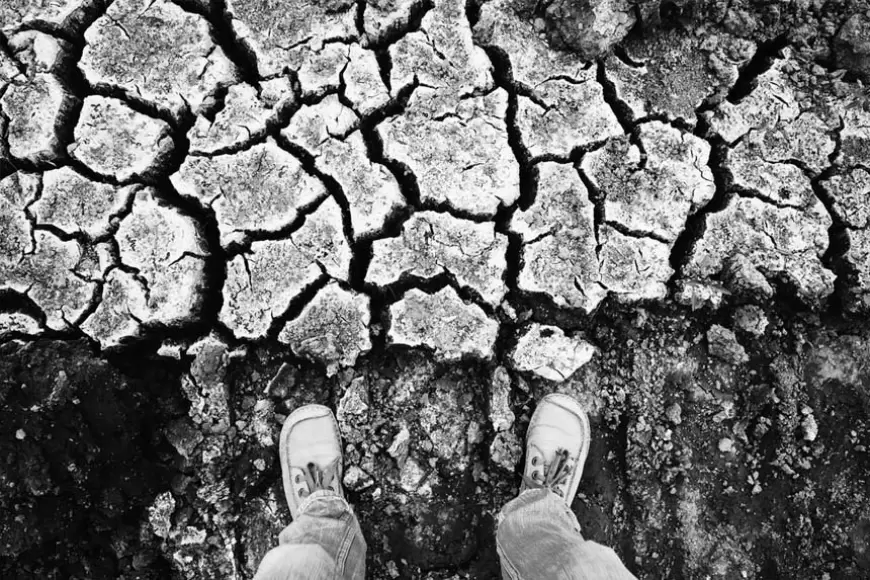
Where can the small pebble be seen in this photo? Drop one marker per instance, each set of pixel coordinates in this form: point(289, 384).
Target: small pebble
point(726, 445)
point(20, 434)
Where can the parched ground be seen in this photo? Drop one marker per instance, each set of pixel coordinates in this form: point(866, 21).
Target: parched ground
point(427, 214)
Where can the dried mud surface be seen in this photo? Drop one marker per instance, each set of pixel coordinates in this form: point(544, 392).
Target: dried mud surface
point(427, 214)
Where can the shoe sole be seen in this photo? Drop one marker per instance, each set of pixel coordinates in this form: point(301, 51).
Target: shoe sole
point(572, 405)
point(301, 414)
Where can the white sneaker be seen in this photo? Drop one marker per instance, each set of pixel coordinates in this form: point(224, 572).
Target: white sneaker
point(310, 452)
point(557, 444)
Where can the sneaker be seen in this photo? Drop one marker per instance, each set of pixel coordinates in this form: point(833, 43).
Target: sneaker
point(310, 453)
point(557, 443)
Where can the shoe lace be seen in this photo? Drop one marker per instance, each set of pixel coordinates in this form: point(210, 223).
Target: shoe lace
point(552, 475)
point(317, 478)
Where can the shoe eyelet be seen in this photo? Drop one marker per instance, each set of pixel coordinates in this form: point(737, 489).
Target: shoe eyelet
point(297, 479)
point(535, 460)
point(535, 474)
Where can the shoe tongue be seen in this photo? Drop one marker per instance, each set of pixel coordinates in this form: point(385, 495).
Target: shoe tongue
point(548, 439)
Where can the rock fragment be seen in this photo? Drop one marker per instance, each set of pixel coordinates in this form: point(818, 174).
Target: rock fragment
point(352, 412)
point(751, 319)
point(449, 420)
point(74, 203)
point(154, 50)
point(356, 479)
point(114, 140)
point(506, 450)
point(559, 240)
point(206, 387)
point(327, 131)
point(461, 157)
point(332, 329)
point(656, 194)
point(256, 292)
point(500, 415)
point(258, 189)
point(443, 323)
point(35, 108)
point(434, 243)
point(547, 352)
point(723, 344)
point(160, 514)
point(398, 449)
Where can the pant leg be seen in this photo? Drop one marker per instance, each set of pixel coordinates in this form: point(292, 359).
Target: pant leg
point(324, 542)
point(538, 538)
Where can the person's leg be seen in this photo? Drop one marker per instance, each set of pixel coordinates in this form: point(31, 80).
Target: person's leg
point(538, 536)
point(324, 542)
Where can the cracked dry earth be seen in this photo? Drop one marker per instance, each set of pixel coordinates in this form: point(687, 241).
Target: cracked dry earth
point(427, 214)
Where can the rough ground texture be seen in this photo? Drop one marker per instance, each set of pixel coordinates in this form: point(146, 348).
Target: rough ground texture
point(427, 214)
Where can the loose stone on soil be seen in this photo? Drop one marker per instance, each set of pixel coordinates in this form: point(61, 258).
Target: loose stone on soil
point(443, 323)
point(500, 415)
point(548, 353)
point(352, 412)
point(723, 345)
